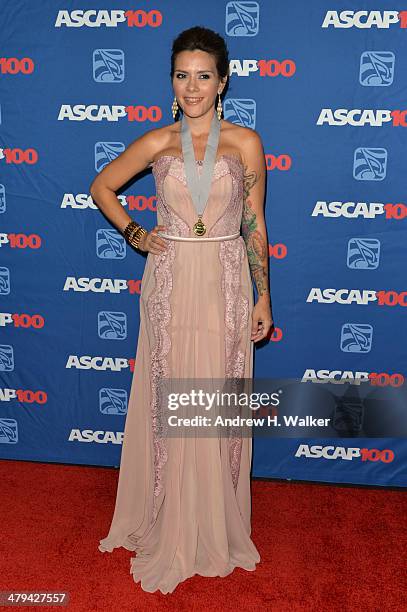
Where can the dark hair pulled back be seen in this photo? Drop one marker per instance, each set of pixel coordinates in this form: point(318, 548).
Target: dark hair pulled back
point(203, 39)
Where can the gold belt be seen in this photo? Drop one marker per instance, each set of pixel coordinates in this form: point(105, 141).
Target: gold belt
point(186, 238)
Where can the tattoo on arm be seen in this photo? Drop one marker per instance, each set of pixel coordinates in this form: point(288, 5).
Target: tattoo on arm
point(255, 244)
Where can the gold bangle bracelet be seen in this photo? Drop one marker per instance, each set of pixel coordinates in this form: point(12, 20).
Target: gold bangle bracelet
point(133, 233)
point(135, 238)
point(130, 229)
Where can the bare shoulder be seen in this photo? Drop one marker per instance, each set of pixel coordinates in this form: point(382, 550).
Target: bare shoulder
point(246, 140)
point(155, 140)
point(163, 134)
point(162, 140)
point(251, 142)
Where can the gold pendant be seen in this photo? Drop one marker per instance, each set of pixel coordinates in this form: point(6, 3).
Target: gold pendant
point(199, 227)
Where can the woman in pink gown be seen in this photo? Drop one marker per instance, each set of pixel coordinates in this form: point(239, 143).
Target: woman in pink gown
point(183, 503)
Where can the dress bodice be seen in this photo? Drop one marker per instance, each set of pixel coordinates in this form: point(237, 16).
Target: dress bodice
point(175, 208)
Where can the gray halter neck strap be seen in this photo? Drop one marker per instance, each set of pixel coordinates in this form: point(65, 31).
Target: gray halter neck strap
point(199, 188)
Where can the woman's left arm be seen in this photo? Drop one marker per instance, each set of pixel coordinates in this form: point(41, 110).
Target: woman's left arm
point(254, 231)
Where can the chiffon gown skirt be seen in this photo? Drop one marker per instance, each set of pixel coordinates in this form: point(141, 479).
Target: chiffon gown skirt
point(183, 503)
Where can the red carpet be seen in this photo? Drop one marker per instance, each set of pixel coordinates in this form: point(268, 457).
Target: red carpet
point(323, 548)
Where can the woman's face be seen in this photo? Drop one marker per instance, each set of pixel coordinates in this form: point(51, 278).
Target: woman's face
point(196, 82)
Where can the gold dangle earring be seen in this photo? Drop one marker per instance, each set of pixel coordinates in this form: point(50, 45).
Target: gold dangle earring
point(174, 108)
point(219, 108)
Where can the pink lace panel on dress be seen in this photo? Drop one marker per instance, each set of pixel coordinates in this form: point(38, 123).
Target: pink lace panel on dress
point(230, 221)
point(231, 254)
point(159, 312)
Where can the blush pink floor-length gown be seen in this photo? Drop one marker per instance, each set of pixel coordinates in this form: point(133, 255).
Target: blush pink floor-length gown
point(184, 504)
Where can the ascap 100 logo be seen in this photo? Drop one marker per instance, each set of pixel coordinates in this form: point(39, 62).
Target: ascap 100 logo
point(100, 364)
point(91, 18)
point(21, 319)
point(85, 284)
point(365, 19)
point(23, 396)
point(83, 201)
point(334, 453)
point(354, 210)
point(99, 436)
point(360, 297)
point(361, 117)
point(345, 377)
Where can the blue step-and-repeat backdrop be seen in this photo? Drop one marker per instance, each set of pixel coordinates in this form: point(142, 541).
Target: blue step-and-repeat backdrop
point(324, 84)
